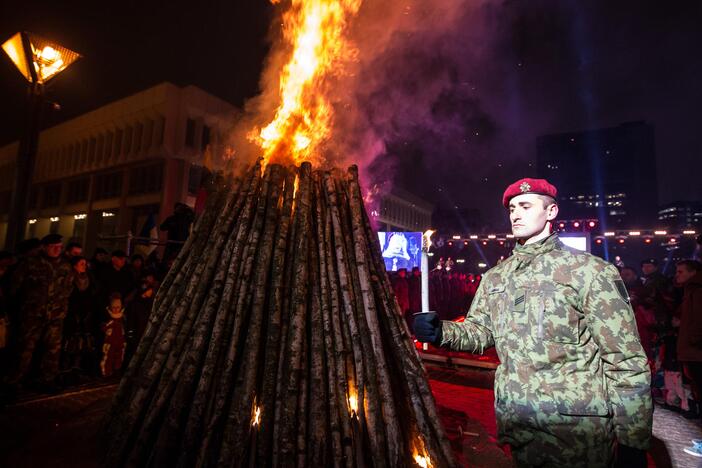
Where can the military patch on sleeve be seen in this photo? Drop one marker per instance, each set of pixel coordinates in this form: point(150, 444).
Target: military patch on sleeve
point(621, 289)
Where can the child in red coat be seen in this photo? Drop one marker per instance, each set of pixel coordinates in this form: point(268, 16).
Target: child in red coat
point(115, 342)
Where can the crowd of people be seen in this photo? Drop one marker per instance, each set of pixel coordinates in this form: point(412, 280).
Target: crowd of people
point(65, 318)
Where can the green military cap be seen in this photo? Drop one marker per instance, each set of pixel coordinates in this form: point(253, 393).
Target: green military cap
point(51, 239)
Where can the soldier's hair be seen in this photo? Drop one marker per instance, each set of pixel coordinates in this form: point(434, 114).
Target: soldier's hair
point(547, 200)
point(691, 265)
point(114, 297)
point(74, 260)
point(72, 245)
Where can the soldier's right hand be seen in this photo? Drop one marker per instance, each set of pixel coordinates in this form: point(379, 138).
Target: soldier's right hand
point(427, 328)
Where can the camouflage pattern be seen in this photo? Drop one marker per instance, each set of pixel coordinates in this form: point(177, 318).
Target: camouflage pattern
point(573, 375)
point(43, 286)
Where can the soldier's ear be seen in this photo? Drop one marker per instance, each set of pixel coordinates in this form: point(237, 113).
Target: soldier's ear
point(551, 212)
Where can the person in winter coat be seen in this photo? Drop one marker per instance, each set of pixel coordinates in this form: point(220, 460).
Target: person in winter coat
point(78, 328)
point(689, 275)
point(114, 344)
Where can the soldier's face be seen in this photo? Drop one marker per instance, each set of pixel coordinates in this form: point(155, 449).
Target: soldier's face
point(683, 275)
point(648, 268)
point(528, 215)
point(53, 250)
point(81, 266)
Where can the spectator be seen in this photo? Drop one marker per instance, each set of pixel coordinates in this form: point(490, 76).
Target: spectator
point(401, 287)
point(29, 248)
point(415, 291)
point(645, 318)
point(114, 343)
point(44, 283)
point(136, 267)
point(688, 274)
point(6, 262)
point(139, 310)
point(178, 228)
point(115, 278)
point(78, 331)
point(73, 249)
point(99, 262)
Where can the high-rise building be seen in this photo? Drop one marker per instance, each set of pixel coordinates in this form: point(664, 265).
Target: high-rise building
point(108, 171)
point(607, 174)
point(680, 215)
point(400, 210)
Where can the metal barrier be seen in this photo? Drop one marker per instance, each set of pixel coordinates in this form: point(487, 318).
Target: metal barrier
point(131, 239)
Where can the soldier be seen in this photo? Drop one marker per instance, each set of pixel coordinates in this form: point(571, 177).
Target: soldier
point(43, 282)
point(573, 377)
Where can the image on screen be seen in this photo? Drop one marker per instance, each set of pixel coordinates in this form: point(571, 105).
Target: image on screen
point(401, 249)
point(576, 242)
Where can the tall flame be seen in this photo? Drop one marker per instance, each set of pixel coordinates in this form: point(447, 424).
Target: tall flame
point(315, 30)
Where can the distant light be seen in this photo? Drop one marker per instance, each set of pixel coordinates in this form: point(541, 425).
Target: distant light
point(598, 241)
point(80, 216)
point(634, 233)
point(502, 242)
point(456, 237)
point(460, 260)
point(107, 214)
point(609, 234)
point(561, 225)
point(430, 254)
point(660, 233)
point(510, 236)
point(473, 237)
point(492, 236)
point(576, 224)
point(592, 224)
point(33, 221)
point(621, 241)
point(465, 242)
point(484, 242)
point(450, 243)
point(689, 231)
point(648, 240)
point(54, 219)
point(672, 240)
point(482, 265)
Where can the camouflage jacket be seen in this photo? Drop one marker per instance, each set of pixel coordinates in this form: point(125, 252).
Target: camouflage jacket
point(44, 286)
point(566, 337)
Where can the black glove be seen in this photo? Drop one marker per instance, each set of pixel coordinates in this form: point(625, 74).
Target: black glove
point(630, 457)
point(427, 328)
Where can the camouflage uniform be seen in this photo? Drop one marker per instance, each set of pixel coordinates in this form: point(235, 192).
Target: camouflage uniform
point(44, 286)
point(573, 375)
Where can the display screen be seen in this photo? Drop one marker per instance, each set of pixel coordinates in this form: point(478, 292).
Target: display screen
point(401, 249)
point(576, 242)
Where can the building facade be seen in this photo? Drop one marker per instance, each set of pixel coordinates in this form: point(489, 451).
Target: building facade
point(680, 215)
point(400, 210)
point(104, 173)
point(607, 174)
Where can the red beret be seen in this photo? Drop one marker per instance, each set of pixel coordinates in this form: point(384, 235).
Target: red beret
point(537, 186)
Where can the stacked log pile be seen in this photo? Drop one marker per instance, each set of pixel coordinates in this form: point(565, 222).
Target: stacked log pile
point(276, 340)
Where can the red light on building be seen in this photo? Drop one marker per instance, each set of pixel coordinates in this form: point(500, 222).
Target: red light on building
point(465, 242)
point(647, 240)
point(561, 225)
point(502, 242)
point(621, 241)
point(484, 242)
point(598, 241)
point(591, 224)
point(450, 244)
point(576, 224)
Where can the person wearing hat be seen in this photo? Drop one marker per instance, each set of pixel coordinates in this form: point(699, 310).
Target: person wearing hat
point(43, 284)
point(572, 388)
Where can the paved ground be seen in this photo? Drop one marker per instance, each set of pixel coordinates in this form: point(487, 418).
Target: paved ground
point(63, 431)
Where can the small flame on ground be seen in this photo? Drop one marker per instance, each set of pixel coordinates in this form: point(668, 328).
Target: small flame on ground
point(353, 404)
point(255, 415)
point(315, 30)
point(424, 462)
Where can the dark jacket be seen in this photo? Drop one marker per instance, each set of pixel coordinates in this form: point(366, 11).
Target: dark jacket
point(690, 337)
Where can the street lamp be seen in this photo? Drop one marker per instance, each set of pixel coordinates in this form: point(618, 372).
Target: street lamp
point(39, 60)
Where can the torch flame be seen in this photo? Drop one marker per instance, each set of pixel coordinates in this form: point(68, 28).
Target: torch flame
point(353, 403)
point(424, 462)
point(255, 415)
point(303, 120)
point(426, 239)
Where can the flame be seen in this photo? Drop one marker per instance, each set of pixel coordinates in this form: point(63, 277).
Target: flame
point(255, 415)
point(424, 462)
point(353, 403)
point(303, 119)
point(426, 239)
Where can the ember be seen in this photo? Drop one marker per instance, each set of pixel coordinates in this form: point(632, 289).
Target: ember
point(282, 306)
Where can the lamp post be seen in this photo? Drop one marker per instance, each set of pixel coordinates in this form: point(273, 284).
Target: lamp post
point(39, 60)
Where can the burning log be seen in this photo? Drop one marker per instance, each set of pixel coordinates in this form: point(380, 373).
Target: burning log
point(275, 340)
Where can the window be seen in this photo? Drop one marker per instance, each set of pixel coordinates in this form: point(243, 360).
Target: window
point(146, 179)
point(5, 198)
point(77, 191)
point(118, 142)
point(194, 178)
point(160, 130)
point(138, 136)
point(100, 149)
point(128, 137)
point(91, 151)
point(33, 197)
point(51, 196)
point(79, 228)
point(148, 134)
point(205, 137)
point(190, 133)
point(109, 140)
point(108, 185)
point(83, 154)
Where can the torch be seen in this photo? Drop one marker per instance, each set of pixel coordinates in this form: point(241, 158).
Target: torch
point(426, 244)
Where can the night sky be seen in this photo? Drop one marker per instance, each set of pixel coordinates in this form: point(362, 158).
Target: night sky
point(447, 97)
